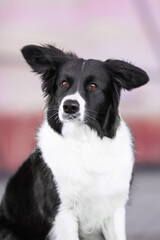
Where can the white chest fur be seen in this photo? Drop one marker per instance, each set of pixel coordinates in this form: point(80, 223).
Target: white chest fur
point(92, 174)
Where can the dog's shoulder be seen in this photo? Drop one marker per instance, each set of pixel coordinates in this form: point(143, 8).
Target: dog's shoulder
point(31, 196)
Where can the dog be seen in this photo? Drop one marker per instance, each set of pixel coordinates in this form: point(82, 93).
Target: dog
point(76, 182)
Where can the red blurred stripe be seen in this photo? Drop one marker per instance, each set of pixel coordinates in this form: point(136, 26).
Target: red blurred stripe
point(17, 139)
point(147, 139)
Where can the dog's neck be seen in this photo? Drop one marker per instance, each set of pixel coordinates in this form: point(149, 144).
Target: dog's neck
point(76, 130)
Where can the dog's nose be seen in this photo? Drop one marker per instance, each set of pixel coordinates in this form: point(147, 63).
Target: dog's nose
point(71, 106)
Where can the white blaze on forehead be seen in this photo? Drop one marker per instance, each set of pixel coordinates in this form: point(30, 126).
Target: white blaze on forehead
point(77, 97)
point(83, 64)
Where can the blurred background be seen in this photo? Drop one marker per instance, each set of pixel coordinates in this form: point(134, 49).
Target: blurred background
point(122, 29)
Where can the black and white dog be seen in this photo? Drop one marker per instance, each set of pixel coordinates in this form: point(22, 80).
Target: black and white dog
point(76, 183)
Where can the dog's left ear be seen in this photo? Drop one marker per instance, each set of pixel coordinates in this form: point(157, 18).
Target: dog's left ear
point(126, 75)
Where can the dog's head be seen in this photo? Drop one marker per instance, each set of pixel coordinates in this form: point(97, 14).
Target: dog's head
point(86, 91)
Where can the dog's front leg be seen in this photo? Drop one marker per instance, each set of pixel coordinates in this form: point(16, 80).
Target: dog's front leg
point(65, 226)
point(114, 227)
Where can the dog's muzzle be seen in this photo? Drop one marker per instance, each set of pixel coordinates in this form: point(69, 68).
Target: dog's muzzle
point(72, 107)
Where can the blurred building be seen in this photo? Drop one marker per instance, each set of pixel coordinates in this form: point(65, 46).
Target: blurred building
point(125, 29)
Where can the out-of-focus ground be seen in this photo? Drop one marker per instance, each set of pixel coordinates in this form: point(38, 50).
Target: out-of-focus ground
point(143, 208)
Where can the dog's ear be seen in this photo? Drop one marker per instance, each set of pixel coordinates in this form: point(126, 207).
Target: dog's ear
point(126, 75)
point(44, 60)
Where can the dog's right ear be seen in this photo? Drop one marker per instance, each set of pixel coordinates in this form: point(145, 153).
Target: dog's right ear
point(42, 58)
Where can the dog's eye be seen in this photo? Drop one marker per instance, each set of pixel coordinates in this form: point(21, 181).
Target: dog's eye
point(92, 86)
point(65, 84)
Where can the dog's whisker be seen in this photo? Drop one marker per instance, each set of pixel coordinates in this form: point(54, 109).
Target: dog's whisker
point(52, 108)
point(52, 116)
point(57, 120)
point(91, 117)
point(90, 110)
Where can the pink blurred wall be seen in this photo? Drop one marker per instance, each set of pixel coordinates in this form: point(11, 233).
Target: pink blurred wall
point(99, 29)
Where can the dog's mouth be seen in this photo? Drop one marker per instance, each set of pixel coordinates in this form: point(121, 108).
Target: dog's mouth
point(71, 117)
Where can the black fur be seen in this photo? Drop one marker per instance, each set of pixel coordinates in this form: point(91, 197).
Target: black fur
point(31, 200)
point(110, 76)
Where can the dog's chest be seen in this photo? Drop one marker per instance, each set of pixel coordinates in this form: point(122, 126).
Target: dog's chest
point(91, 174)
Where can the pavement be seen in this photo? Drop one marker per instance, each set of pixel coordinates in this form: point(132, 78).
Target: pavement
point(143, 208)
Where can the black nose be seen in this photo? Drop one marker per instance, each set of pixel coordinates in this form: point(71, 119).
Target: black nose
point(71, 106)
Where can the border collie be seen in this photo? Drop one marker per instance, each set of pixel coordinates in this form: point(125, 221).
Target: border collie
point(76, 182)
